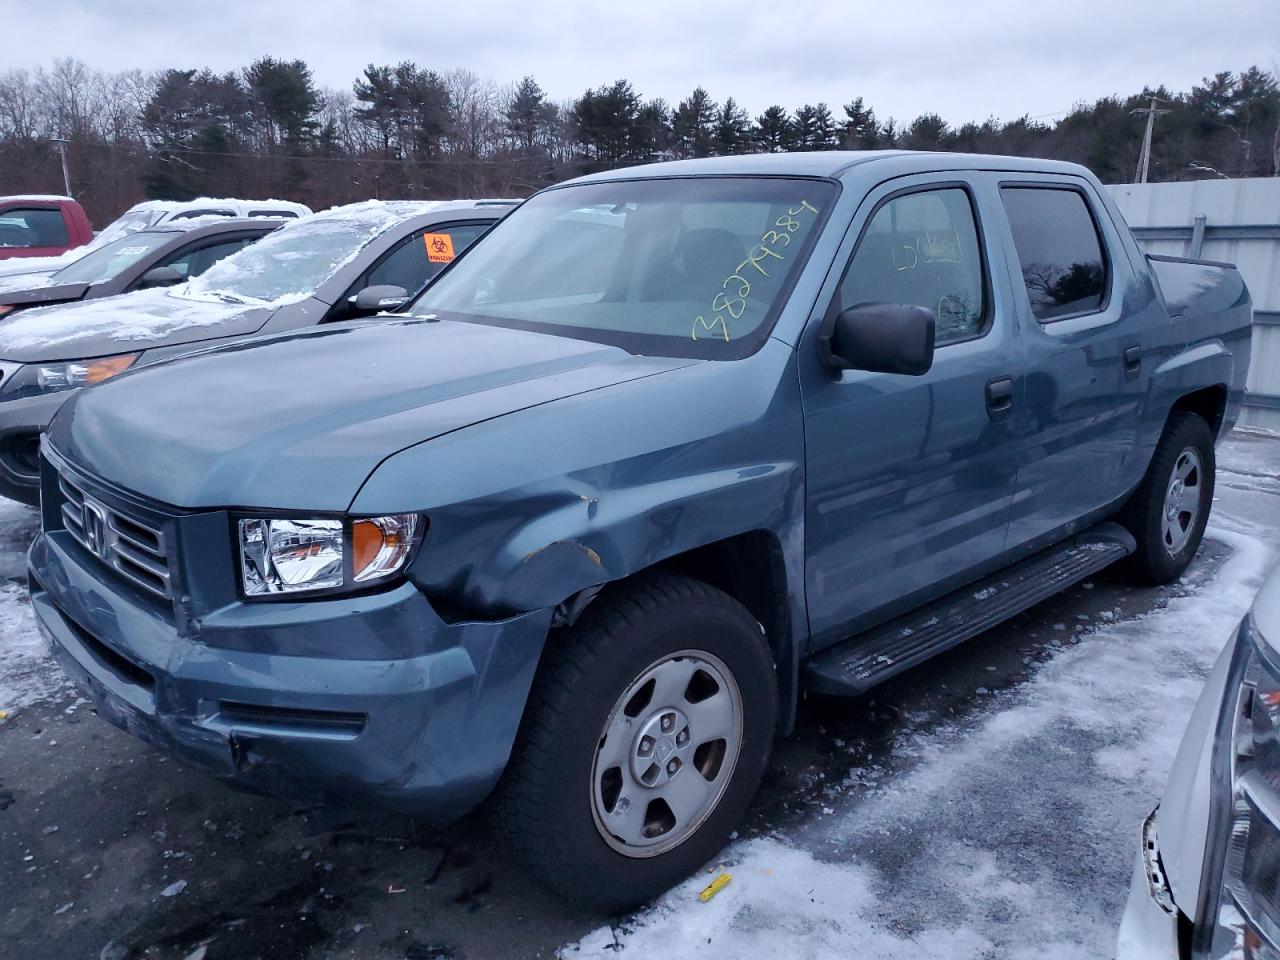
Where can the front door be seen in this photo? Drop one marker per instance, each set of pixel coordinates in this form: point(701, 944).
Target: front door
point(910, 479)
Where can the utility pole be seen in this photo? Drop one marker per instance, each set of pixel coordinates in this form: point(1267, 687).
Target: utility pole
point(1144, 158)
point(62, 152)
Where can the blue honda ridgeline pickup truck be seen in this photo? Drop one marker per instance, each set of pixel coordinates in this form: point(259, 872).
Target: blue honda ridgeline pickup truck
point(666, 448)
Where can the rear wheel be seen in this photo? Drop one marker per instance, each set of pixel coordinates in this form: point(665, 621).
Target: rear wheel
point(646, 734)
point(1168, 512)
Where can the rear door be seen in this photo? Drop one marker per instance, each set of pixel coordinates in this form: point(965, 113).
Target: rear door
point(1080, 366)
point(909, 479)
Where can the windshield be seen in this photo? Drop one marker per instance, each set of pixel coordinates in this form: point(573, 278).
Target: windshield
point(112, 259)
point(131, 221)
point(683, 267)
point(294, 261)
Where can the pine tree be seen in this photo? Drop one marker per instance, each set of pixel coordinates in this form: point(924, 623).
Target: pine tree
point(693, 125)
point(732, 131)
point(529, 116)
point(774, 131)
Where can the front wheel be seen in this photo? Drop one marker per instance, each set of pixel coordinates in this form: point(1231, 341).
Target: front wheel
point(645, 738)
point(1168, 512)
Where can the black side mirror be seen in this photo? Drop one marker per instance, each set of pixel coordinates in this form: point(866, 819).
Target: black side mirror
point(160, 277)
point(380, 296)
point(884, 338)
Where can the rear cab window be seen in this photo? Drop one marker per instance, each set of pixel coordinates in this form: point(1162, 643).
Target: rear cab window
point(33, 227)
point(1060, 250)
point(922, 248)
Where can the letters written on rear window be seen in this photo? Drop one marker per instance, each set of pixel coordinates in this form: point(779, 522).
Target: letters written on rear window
point(1059, 250)
point(922, 249)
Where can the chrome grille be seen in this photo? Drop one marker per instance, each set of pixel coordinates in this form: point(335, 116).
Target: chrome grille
point(134, 549)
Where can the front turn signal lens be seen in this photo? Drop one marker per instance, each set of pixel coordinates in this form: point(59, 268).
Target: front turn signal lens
point(82, 373)
point(98, 370)
point(381, 545)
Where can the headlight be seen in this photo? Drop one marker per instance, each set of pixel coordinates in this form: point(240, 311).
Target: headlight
point(1248, 914)
point(37, 378)
point(308, 556)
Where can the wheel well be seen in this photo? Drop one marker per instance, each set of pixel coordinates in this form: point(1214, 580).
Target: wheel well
point(1210, 403)
point(750, 568)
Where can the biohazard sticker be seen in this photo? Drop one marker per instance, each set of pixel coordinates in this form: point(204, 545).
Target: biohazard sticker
point(439, 247)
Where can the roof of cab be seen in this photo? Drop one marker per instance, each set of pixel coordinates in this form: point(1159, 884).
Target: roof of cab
point(832, 163)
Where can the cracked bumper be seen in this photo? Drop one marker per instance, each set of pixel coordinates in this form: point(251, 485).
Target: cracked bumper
point(1149, 927)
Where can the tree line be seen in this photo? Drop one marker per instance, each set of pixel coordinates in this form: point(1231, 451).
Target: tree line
point(408, 131)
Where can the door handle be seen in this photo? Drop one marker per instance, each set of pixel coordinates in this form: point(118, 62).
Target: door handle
point(1132, 362)
point(1000, 395)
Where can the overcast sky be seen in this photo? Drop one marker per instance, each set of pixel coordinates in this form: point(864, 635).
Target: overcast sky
point(964, 60)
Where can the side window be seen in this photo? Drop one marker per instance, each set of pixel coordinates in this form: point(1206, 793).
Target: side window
point(418, 258)
point(34, 227)
point(1059, 250)
point(922, 249)
point(193, 262)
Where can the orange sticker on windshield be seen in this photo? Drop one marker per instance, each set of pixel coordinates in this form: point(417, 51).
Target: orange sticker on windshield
point(439, 247)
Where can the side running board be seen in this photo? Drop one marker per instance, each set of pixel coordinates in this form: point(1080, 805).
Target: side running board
point(854, 666)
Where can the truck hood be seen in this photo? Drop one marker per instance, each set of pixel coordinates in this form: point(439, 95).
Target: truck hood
point(132, 321)
point(299, 421)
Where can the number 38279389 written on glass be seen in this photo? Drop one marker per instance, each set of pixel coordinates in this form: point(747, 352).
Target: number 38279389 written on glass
point(731, 302)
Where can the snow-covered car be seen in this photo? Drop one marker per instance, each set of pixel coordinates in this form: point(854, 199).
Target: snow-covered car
point(155, 257)
point(342, 264)
point(1207, 879)
point(155, 213)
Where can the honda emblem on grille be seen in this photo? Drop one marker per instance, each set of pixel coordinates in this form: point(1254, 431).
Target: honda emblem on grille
point(95, 528)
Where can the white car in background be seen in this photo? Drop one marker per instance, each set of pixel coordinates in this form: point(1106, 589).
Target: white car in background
point(154, 213)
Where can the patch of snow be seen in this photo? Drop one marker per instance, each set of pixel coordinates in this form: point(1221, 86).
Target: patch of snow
point(20, 266)
point(131, 317)
point(25, 281)
point(27, 673)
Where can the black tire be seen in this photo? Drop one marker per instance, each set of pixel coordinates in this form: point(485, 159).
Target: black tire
point(544, 806)
point(1155, 562)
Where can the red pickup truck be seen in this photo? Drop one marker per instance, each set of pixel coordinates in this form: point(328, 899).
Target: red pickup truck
point(41, 226)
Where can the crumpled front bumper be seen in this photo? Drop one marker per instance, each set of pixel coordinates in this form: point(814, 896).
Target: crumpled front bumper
point(1149, 929)
point(428, 734)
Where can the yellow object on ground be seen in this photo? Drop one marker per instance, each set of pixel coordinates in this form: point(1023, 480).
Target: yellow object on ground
point(715, 886)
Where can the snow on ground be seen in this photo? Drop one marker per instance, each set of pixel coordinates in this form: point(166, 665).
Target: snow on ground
point(26, 674)
point(1011, 835)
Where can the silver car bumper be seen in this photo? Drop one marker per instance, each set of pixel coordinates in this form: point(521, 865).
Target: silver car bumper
point(1149, 928)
